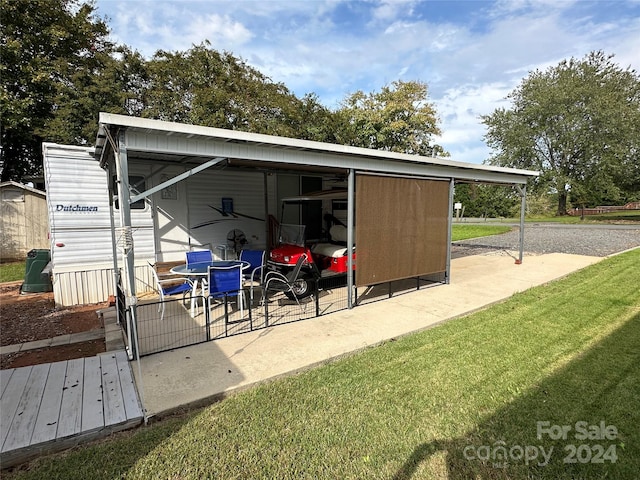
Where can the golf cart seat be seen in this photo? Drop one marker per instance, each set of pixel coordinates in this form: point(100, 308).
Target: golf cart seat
point(338, 245)
point(329, 250)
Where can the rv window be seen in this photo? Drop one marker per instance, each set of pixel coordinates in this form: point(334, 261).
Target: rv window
point(136, 185)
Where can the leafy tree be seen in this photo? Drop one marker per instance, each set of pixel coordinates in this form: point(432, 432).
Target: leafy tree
point(59, 71)
point(109, 82)
point(205, 87)
point(316, 122)
point(43, 46)
point(488, 201)
point(578, 123)
point(541, 204)
point(397, 119)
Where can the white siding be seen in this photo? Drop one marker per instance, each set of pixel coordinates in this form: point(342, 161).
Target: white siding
point(205, 193)
point(163, 231)
point(170, 217)
point(94, 286)
point(80, 227)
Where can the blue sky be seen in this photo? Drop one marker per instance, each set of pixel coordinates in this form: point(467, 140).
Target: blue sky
point(470, 53)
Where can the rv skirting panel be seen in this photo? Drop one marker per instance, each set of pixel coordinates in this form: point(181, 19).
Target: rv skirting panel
point(93, 286)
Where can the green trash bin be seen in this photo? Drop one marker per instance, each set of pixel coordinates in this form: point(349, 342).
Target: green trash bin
point(34, 279)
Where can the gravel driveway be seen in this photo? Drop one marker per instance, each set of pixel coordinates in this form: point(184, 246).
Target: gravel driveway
point(593, 240)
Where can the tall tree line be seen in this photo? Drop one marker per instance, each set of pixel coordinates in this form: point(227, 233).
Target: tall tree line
point(47, 50)
point(59, 70)
point(578, 123)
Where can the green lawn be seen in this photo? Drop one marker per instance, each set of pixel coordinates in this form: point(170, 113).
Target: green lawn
point(12, 272)
point(427, 405)
point(464, 232)
point(614, 217)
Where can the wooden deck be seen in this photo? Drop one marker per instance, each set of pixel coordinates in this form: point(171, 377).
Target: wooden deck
point(54, 406)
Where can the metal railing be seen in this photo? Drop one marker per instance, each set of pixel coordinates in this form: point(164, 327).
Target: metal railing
point(177, 328)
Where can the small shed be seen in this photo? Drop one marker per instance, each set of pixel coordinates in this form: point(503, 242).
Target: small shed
point(23, 220)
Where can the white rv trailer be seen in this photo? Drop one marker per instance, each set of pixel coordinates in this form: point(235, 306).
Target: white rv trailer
point(202, 210)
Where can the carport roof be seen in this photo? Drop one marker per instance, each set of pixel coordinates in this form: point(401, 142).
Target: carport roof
point(156, 139)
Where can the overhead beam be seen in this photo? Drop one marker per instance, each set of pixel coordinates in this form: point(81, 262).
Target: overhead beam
point(176, 179)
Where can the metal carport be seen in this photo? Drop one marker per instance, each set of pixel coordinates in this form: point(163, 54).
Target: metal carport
point(123, 139)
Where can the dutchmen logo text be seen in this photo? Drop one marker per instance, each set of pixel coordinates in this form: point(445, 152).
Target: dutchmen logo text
point(76, 208)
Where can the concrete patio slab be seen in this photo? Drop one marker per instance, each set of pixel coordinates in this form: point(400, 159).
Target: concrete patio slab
point(199, 374)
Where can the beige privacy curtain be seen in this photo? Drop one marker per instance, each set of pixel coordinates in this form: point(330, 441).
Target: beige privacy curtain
point(401, 228)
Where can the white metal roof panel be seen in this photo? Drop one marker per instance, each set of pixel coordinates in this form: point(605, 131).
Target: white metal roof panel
point(162, 137)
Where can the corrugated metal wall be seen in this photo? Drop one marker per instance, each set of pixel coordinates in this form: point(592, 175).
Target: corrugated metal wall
point(94, 286)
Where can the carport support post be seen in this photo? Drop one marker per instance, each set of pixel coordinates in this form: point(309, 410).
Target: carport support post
point(447, 273)
point(523, 203)
point(265, 186)
point(124, 199)
point(126, 237)
point(350, 216)
point(114, 250)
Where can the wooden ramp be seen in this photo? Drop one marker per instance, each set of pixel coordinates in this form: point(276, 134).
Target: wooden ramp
point(54, 406)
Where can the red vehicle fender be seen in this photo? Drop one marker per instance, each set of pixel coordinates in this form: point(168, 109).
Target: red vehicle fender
point(287, 255)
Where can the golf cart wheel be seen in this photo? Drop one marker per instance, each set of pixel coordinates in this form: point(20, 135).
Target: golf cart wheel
point(301, 289)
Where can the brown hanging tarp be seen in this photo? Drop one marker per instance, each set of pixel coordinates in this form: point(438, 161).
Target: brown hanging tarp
point(401, 228)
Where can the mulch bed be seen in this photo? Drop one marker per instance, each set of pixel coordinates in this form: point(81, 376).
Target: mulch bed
point(34, 316)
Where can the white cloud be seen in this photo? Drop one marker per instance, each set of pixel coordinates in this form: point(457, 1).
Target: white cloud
point(470, 60)
point(460, 110)
point(218, 30)
point(391, 9)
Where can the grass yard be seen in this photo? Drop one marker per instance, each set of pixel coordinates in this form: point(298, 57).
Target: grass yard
point(459, 401)
point(464, 232)
point(12, 272)
point(612, 217)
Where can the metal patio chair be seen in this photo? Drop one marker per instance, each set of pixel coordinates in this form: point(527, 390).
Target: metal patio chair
point(254, 275)
point(278, 282)
point(171, 286)
point(199, 256)
point(225, 282)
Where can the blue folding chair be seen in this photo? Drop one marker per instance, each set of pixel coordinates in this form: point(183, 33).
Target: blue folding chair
point(255, 258)
point(199, 256)
point(225, 282)
point(253, 275)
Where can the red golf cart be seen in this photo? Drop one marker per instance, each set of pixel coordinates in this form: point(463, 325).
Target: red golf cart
point(326, 257)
